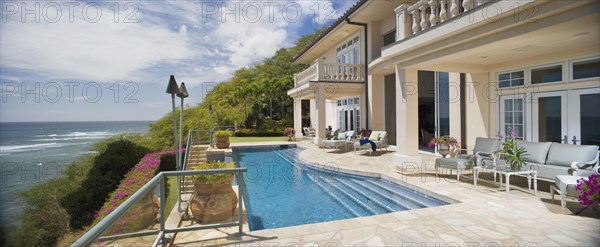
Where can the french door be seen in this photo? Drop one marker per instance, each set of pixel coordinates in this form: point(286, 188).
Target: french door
point(568, 116)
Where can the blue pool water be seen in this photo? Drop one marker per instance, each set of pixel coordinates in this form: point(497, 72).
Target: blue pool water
point(283, 190)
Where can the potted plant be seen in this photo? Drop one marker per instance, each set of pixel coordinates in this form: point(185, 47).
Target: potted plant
point(223, 138)
point(214, 198)
point(290, 132)
point(515, 155)
point(444, 144)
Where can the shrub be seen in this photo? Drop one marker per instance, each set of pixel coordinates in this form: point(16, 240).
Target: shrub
point(137, 177)
point(253, 132)
point(108, 169)
point(223, 133)
point(213, 178)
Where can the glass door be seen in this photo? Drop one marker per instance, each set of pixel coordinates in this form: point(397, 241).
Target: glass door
point(549, 112)
point(512, 115)
point(584, 117)
point(434, 107)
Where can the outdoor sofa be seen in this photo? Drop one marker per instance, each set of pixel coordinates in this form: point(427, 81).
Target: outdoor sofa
point(551, 159)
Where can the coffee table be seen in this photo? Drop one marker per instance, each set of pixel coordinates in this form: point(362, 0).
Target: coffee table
point(507, 171)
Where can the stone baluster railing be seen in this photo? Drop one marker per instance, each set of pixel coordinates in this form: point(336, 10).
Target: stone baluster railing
point(468, 4)
point(443, 11)
point(454, 8)
point(434, 15)
point(424, 16)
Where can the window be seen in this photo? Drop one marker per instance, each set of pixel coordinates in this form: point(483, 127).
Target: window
point(513, 116)
point(389, 38)
point(552, 73)
point(348, 52)
point(586, 69)
point(511, 79)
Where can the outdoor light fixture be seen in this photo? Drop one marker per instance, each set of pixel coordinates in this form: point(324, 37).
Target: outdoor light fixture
point(173, 89)
point(183, 93)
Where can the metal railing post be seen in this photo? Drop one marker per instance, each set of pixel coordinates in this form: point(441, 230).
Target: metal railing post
point(181, 180)
point(240, 183)
point(163, 198)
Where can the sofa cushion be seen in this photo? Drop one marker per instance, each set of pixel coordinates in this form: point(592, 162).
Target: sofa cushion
point(548, 172)
point(566, 184)
point(565, 154)
point(342, 136)
point(536, 151)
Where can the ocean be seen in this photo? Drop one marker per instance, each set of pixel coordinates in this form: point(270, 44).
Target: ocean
point(34, 152)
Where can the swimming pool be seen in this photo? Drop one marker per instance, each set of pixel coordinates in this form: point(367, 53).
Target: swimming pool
point(282, 190)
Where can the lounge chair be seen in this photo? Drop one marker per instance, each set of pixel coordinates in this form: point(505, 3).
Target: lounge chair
point(378, 137)
point(483, 151)
point(340, 140)
point(565, 185)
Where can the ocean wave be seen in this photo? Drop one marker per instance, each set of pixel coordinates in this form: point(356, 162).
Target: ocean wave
point(4, 154)
point(99, 134)
point(70, 138)
point(41, 146)
point(89, 152)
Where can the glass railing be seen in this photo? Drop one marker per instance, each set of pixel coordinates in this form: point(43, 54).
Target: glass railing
point(142, 220)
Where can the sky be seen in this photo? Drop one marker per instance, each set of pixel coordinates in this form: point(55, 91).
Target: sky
point(111, 60)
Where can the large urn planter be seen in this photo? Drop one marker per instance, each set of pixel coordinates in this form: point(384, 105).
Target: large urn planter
point(222, 137)
point(214, 198)
point(213, 202)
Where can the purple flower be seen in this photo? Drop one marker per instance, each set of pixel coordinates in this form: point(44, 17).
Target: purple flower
point(589, 191)
point(499, 136)
point(513, 132)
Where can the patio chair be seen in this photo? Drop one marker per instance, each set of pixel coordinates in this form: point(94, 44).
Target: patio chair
point(308, 132)
point(484, 150)
point(565, 185)
point(340, 140)
point(378, 137)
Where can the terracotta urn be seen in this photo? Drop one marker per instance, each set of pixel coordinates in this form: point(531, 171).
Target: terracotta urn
point(213, 202)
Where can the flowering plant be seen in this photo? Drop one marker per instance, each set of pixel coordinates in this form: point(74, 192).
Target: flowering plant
point(589, 191)
point(515, 155)
point(448, 140)
point(289, 132)
point(137, 177)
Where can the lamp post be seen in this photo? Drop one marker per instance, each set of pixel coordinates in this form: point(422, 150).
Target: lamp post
point(183, 93)
point(173, 89)
point(210, 124)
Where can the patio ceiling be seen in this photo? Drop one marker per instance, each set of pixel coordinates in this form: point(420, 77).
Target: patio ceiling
point(576, 34)
point(500, 44)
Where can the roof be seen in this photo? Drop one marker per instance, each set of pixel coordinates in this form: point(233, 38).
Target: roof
point(341, 19)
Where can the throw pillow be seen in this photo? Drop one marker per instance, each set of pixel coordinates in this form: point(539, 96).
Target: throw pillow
point(341, 136)
point(374, 138)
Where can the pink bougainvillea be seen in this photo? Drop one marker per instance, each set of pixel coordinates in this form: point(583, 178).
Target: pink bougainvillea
point(589, 191)
point(139, 175)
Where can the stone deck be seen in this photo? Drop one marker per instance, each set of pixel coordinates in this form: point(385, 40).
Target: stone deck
point(483, 215)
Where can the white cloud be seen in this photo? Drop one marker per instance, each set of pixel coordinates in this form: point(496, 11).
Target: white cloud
point(91, 51)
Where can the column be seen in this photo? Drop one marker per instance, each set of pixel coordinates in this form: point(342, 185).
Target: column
point(479, 103)
point(320, 112)
point(407, 115)
point(298, 117)
point(376, 110)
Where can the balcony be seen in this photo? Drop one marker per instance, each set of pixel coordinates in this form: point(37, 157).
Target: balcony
point(425, 14)
point(330, 72)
